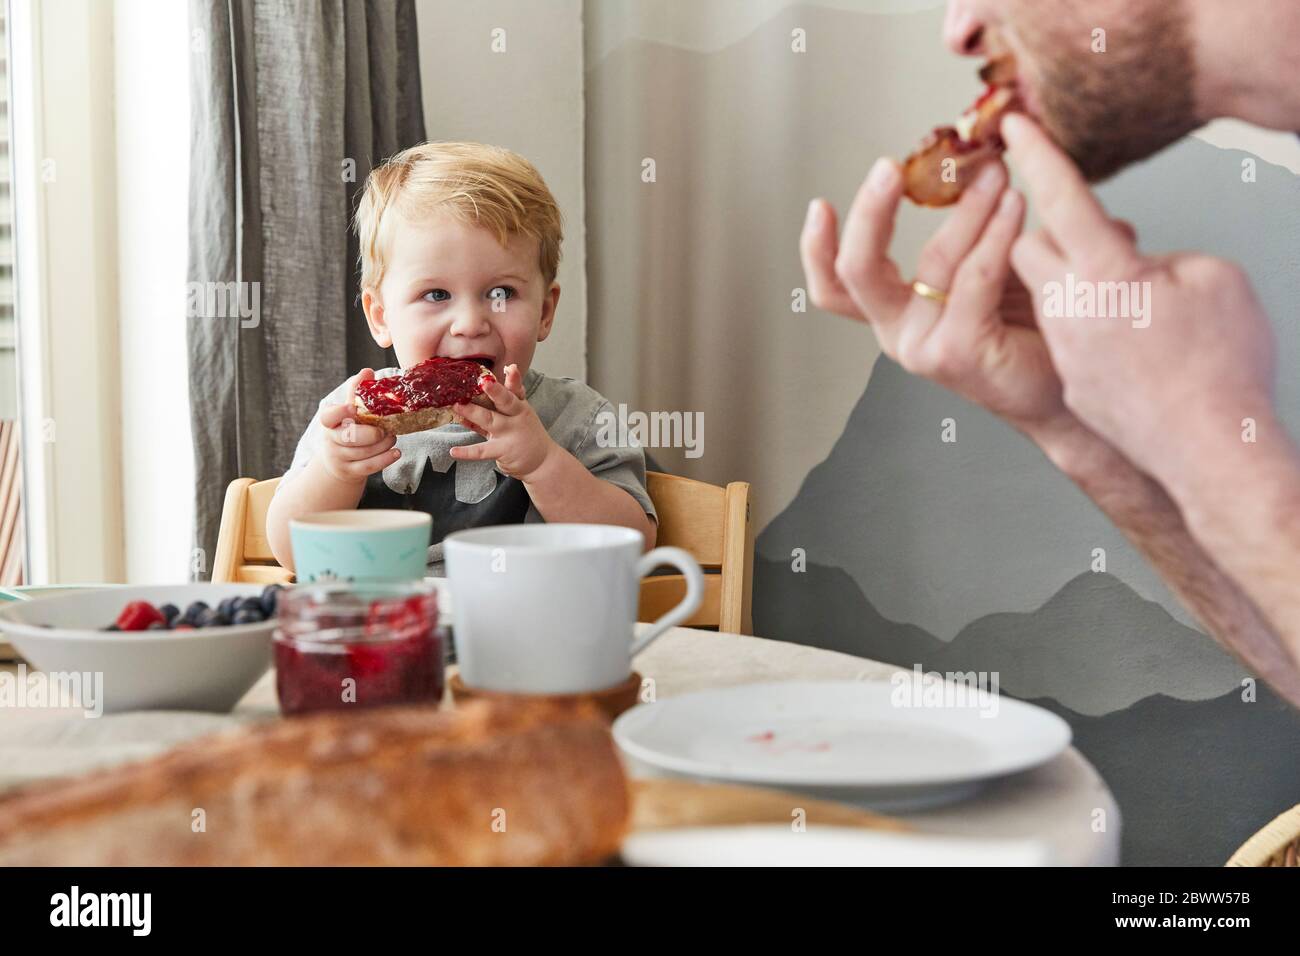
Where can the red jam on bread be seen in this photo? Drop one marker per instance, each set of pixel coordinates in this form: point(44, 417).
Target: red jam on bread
point(421, 397)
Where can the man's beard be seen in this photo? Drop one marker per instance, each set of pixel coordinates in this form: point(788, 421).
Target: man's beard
point(1109, 109)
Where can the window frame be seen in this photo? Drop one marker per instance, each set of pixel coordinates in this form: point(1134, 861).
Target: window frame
point(61, 63)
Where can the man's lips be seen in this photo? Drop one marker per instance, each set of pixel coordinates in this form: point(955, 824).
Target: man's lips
point(1009, 64)
point(999, 72)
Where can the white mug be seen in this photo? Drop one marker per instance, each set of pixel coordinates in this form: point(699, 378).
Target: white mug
point(550, 608)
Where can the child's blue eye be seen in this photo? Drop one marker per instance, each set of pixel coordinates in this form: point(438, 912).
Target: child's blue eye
point(437, 295)
point(502, 292)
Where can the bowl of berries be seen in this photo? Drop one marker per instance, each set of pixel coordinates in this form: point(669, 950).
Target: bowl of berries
point(166, 647)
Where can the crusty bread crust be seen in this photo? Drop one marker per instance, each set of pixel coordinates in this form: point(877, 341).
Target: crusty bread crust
point(404, 423)
point(499, 783)
point(972, 142)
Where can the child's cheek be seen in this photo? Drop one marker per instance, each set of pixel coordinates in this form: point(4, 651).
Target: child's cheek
point(516, 324)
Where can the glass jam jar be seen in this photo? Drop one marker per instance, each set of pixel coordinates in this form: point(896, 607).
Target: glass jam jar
point(339, 646)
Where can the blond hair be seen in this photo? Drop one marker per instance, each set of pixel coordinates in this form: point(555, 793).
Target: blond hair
point(488, 185)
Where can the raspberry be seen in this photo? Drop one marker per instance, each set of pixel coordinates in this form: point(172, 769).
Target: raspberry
point(388, 619)
point(138, 615)
point(367, 661)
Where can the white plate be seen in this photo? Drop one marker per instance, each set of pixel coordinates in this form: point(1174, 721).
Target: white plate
point(842, 739)
point(778, 845)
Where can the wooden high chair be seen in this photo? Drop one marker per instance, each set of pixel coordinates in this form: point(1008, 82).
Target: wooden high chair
point(243, 553)
point(709, 522)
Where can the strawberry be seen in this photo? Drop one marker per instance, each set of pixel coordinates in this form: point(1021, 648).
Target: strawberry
point(396, 619)
point(367, 661)
point(138, 615)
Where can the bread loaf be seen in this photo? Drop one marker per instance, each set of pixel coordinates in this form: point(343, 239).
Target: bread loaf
point(490, 783)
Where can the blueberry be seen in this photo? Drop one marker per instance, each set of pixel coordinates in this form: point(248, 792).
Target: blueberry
point(170, 612)
point(248, 615)
point(193, 612)
point(249, 603)
point(268, 601)
point(210, 617)
point(227, 607)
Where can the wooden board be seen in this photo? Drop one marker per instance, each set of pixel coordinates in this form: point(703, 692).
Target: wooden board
point(663, 803)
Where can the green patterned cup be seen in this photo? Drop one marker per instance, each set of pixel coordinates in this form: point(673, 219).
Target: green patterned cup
point(366, 544)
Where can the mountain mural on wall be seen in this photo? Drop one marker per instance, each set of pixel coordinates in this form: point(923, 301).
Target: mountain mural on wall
point(1193, 779)
point(1096, 645)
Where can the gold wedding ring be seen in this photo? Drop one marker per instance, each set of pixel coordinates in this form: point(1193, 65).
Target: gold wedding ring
point(929, 291)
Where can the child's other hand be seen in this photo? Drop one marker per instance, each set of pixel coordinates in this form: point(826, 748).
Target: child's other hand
point(515, 381)
point(516, 437)
point(351, 451)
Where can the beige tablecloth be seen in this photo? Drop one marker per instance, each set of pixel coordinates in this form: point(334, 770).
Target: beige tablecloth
point(1059, 803)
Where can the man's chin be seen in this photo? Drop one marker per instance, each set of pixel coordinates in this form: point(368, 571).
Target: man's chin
point(1100, 153)
point(1108, 110)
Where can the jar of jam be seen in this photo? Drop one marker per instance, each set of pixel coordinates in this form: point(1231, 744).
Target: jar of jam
point(339, 646)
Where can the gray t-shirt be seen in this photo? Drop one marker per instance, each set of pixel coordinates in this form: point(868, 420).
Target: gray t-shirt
point(471, 494)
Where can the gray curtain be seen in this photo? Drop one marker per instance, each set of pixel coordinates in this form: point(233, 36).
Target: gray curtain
point(292, 102)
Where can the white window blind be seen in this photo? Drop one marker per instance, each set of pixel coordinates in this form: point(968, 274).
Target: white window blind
point(8, 357)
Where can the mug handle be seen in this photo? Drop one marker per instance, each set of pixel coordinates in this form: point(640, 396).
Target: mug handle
point(690, 569)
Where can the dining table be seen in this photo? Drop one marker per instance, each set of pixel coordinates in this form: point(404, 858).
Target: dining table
point(1062, 805)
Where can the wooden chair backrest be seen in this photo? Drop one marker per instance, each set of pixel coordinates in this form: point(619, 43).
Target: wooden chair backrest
point(243, 553)
point(712, 524)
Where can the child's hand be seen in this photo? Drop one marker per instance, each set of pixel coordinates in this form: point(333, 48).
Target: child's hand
point(516, 437)
point(351, 451)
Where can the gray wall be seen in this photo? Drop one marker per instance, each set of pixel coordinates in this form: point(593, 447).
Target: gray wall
point(527, 98)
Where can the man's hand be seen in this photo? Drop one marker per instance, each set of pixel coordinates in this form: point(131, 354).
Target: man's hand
point(981, 347)
point(351, 451)
point(516, 437)
point(1172, 380)
point(971, 343)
